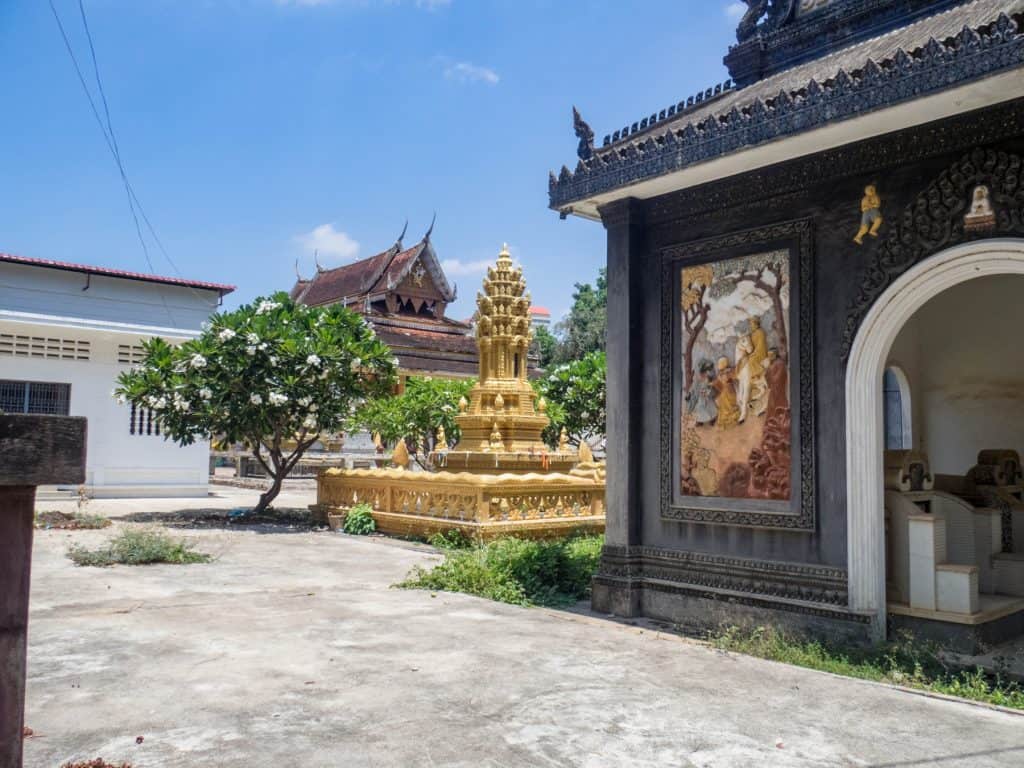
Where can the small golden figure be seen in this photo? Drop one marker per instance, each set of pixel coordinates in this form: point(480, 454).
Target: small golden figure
point(400, 456)
point(463, 404)
point(542, 405)
point(981, 217)
point(586, 455)
point(563, 441)
point(378, 443)
point(441, 443)
point(499, 402)
point(496, 442)
point(870, 214)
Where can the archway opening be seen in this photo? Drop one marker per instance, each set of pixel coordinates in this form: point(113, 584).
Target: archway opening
point(954, 357)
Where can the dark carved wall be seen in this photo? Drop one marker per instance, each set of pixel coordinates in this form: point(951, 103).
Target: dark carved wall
point(914, 172)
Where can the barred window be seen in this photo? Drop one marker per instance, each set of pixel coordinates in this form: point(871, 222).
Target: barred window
point(43, 347)
point(35, 397)
point(142, 421)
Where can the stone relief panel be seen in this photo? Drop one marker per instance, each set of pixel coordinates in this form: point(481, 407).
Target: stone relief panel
point(737, 371)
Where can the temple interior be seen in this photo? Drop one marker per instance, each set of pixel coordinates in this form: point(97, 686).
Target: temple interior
point(954, 432)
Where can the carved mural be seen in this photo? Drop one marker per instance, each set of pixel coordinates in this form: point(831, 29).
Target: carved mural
point(737, 348)
point(950, 211)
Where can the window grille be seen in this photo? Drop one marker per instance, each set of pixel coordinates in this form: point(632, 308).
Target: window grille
point(44, 347)
point(142, 421)
point(35, 397)
point(130, 354)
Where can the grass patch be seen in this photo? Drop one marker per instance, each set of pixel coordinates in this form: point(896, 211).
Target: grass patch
point(904, 661)
point(138, 547)
point(359, 520)
point(52, 519)
point(517, 571)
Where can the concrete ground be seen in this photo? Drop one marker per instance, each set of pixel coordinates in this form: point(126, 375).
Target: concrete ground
point(292, 649)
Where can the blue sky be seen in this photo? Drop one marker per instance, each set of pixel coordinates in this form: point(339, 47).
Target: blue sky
point(254, 131)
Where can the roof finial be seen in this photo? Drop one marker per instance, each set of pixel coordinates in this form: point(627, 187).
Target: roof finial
point(583, 132)
point(429, 231)
point(297, 275)
point(401, 237)
point(316, 259)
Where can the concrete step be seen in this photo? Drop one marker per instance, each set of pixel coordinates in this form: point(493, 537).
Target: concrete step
point(1009, 573)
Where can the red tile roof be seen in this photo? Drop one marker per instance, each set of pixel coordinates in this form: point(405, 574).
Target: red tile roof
point(107, 272)
point(535, 310)
point(373, 275)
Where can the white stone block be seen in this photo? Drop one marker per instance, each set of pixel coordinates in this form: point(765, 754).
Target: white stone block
point(956, 588)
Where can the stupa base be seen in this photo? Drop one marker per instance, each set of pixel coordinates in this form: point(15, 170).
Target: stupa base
point(483, 507)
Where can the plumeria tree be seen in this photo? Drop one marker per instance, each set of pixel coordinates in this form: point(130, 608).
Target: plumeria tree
point(415, 415)
point(576, 398)
point(273, 375)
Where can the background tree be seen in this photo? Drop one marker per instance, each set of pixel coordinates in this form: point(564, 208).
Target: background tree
point(576, 399)
point(583, 330)
point(415, 415)
point(767, 274)
point(545, 346)
point(268, 373)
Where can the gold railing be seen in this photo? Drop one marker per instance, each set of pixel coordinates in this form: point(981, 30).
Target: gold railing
point(463, 499)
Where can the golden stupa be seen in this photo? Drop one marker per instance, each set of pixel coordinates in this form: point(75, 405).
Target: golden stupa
point(500, 478)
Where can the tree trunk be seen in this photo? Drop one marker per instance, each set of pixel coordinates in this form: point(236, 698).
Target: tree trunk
point(269, 495)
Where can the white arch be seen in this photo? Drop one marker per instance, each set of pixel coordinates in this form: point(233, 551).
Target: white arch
point(864, 432)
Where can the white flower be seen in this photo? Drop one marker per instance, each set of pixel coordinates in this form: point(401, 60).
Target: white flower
point(226, 334)
point(304, 401)
point(276, 398)
point(159, 404)
point(313, 360)
point(266, 306)
point(394, 361)
point(356, 362)
point(313, 407)
point(252, 338)
point(263, 346)
point(197, 361)
point(255, 399)
point(250, 350)
point(272, 360)
point(206, 393)
point(309, 422)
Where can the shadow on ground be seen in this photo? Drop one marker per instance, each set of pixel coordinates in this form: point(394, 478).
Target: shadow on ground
point(283, 520)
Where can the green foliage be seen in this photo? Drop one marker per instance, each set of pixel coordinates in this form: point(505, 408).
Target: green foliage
point(359, 520)
point(545, 346)
point(52, 519)
point(902, 662)
point(576, 398)
point(415, 415)
point(517, 571)
point(451, 539)
point(267, 372)
point(138, 547)
point(583, 330)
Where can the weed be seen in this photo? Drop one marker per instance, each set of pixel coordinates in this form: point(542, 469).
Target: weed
point(451, 539)
point(69, 521)
point(359, 520)
point(138, 547)
point(903, 661)
point(517, 571)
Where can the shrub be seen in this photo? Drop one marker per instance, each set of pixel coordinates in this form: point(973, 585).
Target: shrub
point(517, 571)
point(451, 539)
point(138, 547)
point(359, 520)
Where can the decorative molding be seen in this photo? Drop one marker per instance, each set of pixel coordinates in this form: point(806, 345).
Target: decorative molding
point(936, 66)
point(748, 578)
point(934, 221)
point(768, 187)
point(798, 235)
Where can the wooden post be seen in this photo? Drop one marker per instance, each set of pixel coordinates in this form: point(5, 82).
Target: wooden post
point(34, 450)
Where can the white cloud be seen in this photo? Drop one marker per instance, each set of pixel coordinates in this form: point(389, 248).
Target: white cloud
point(735, 10)
point(465, 72)
point(459, 267)
point(329, 243)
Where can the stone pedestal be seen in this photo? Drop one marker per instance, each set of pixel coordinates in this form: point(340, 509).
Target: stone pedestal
point(34, 450)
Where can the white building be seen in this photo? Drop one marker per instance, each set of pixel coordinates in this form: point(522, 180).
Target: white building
point(540, 317)
point(67, 331)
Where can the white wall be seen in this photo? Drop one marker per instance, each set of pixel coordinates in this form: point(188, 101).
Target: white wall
point(965, 362)
point(37, 301)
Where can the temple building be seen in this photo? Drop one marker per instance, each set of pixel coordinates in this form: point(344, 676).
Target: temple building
point(403, 293)
point(815, 282)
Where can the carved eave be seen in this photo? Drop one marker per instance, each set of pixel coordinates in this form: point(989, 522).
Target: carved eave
point(852, 95)
point(427, 257)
